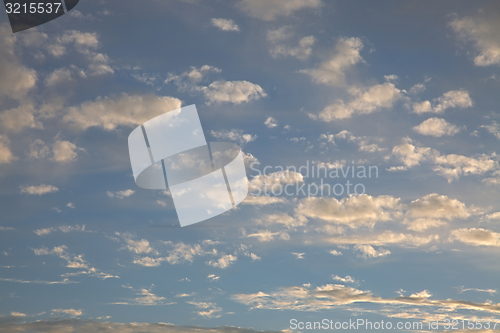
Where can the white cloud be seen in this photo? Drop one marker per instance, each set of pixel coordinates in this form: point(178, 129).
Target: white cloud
point(365, 143)
point(121, 194)
point(367, 251)
point(266, 236)
point(436, 127)
point(450, 99)
point(16, 80)
point(38, 190)
point(483, 32)
point(277, 39)
point(6, 155)
point(225, 24)
point(271, 122)
point(124, 110)
point(267, 182)
point(346, 279)
point(353, 211)
point(16, 119)
point(234, 135)
point(64, 151)
point(365, 101)
point(335, 253)
point(263, 200)
point(70, 312)
point(269, 10)
point(223, 262)
point(453, 166)
point(63, 228)
point(235, 92)
point(412, 155)
point(332, 71)
point(494, 129)
point(476, 237)
point(144, 297)
point(208, 309)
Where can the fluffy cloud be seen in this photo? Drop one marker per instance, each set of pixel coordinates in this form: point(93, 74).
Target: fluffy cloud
point(353, 211)
point(235, 92)
point(223, 262)
point(365, 143)
point(125, 110)
point(267, 182)
point(450, 99)
point(225, 24)
point(365, 101)
point(412, 155)
point(269, 10)
point(436, 127)
point(144, 297)
point(16, 80)
point(367, 251)
point(16, 119)
point(234, 135)
point(494, 129)
point(332, 71)
point(278, 37)
point(38, 190)
point(476, 237)
point(6, 155)
point(483, 32)
point(271, 122)
point(121, 194)
point(70, 312)
point(61, 151)
point(207, 309)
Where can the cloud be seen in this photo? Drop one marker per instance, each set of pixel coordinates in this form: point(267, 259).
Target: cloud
point(453, 166)
point(70, 312)
point(64, 281)
point(353, 211)
point(334, 296)
point(450, 99)
point(438, 207)
point(332, 71)
point(235, 92)
point(494, 129)
point(271, 122)
point(263, 200)
point(365, 101)
point(144, 297)
point(61, 151)
point(278, 37)
point(217, 92)
point(489, 291)
point(412, 155)
point(385, 238)
point(365, 143)
point(6, 155)
point(38, 190)
point(483, 33)
point(269, 10)
point(120, 194)
point(234, 135)
point(63, 228)
point(124, 110)
point(13, 325)
point(266, 236)
point(284, 219)
point(267, 182)
point(208, 309)
point(16, 80)
point(476, 237)
point(137, 246)
point(225, 24)
point(367, 251)
point(223, 262)
point(179, 254)
point(436, 127)
point(16, 119)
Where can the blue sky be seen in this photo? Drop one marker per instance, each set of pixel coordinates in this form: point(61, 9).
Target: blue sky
point(408, 88)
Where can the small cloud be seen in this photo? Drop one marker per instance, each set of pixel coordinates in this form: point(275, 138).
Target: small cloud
point(70, 205)
point(38, 190)
point(121, 194)
point(271, 122)
point(225, 24)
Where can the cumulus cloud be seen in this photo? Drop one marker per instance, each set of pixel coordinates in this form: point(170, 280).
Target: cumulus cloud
point(267, 182)
point(450, 99)
point(269, 10)
point(271, 122)
point(223, 262)
point(144, 297)
point(436, 127)
point(16, 119)
point(38, 190)
point(476, 237)
point(225, 24)
point(121, 194)
point(61, 151)
point(235, 92)
point(367, 251)
point(365, 101)
point(207, 309)
point(234, 135)
point(124, 110)
point(365, 143)
point(70, 312)
point(281, 47)
point(412, 155)
point(16, 80)
point(6, 155)
point(483, 33)
point(494, 129)
point(345, 56)
point(353, 211)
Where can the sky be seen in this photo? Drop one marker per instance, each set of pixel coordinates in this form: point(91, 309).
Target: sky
point(408, 90)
